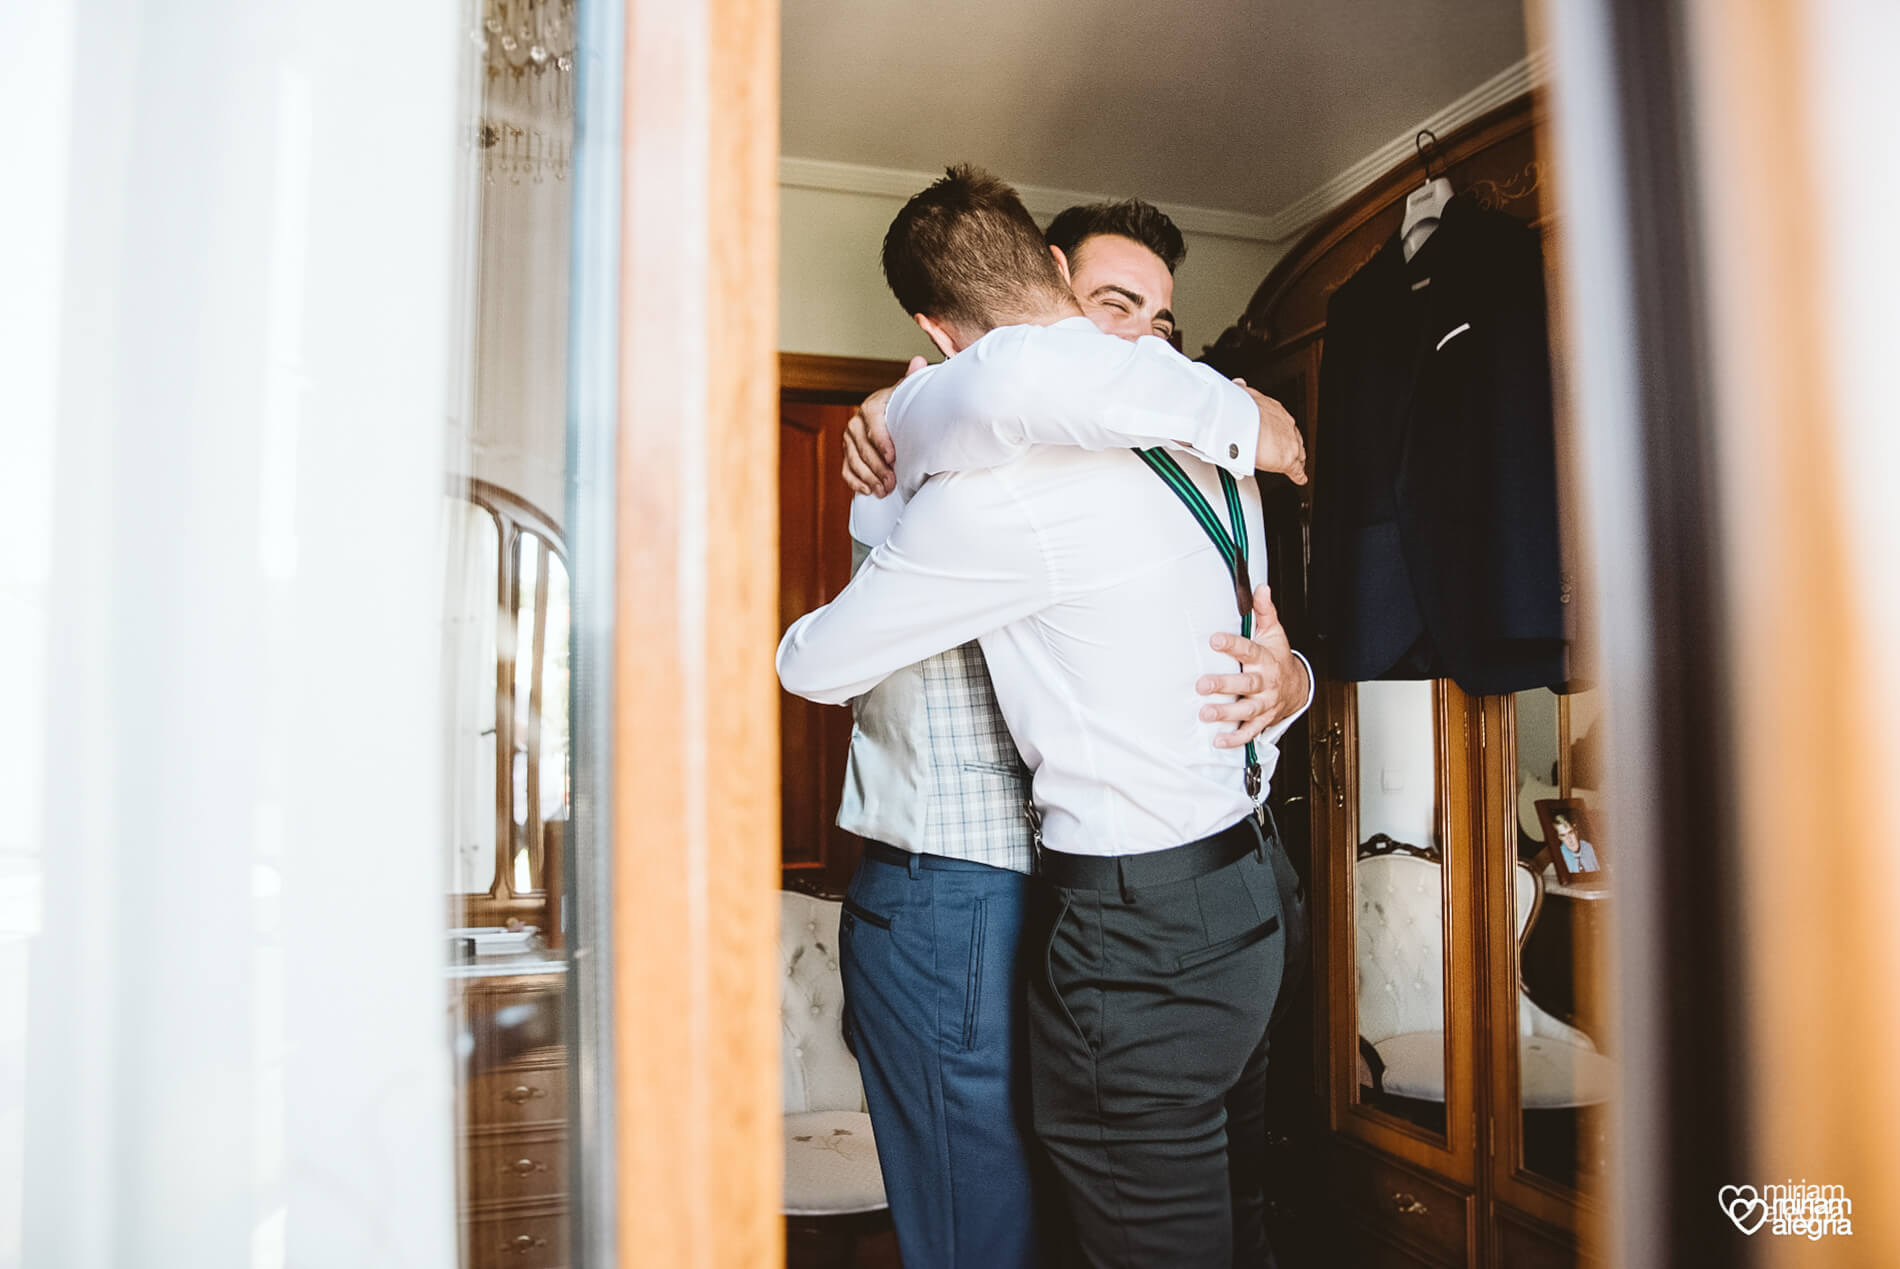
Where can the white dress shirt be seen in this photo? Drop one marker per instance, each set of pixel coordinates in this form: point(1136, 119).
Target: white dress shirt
point(1092, 592)
point(1063, 384)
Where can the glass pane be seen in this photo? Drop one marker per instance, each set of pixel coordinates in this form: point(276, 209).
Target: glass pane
point(1399, 905)
point(471, 609)
point(1563, 884)
point(530, 648)
point(556, 791)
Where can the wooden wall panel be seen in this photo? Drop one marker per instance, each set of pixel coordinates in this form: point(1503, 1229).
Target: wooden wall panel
point(693, 935)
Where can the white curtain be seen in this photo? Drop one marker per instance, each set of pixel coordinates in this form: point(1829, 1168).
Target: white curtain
point(470, 620)
point(226, 332)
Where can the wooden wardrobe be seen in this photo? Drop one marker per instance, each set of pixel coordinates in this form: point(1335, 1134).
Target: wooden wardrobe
point(1466, 1175)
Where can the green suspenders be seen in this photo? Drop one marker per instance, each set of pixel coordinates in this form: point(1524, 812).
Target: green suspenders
point(1233, 549)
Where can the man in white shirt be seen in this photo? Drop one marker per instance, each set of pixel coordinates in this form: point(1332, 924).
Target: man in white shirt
point(1090, 589)
point(936, 788)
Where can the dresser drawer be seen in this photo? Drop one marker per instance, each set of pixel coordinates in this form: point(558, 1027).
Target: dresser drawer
point(526, 1164)
point(1419, 1209)
point(1364, 1248)
point(521, 1093)
point(1524, 1244)
point(532, 1239)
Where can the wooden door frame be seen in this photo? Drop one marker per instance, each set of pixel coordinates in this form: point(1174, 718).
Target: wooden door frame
point(844, 380)
point(694, 843)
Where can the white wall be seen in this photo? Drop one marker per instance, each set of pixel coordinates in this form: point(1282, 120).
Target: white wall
point(1398, 782)
point(832, 297)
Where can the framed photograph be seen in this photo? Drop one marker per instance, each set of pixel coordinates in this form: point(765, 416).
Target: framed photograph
point(1573, 847)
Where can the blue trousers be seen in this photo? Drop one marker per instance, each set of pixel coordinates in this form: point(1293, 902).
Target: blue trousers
point(934, 1004)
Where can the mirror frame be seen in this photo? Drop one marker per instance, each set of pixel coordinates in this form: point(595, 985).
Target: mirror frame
point(501, 902)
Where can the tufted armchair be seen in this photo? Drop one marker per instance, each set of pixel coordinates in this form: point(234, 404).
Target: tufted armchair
point(831, 1165)
point(1401, 976)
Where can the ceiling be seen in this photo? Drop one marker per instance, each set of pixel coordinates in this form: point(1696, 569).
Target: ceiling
point(1245, 106)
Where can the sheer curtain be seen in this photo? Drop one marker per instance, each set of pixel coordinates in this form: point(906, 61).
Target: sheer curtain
point(223, 1025)
point(470, 617)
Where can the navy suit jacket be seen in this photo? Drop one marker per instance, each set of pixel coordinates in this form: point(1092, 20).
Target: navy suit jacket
point(1435, 540)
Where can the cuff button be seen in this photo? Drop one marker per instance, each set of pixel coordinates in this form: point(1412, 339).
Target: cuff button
point(1233, 451)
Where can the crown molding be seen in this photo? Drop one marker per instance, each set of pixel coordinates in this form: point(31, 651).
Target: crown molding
point(1041, 200)
point(1213, 222)
point(1507, 85)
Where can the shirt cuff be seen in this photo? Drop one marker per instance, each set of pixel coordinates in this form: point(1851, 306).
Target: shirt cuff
point(1231, 438)
point(1312, 686)
point(1274, 734)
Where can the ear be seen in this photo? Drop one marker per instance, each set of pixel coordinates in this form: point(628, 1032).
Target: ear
point(1062, 263)
point(938, 335)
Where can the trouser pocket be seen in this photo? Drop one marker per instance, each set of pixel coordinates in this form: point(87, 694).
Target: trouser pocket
point(1214, 951)
point(1056, 961)
point(973, 989)
point(865, 914)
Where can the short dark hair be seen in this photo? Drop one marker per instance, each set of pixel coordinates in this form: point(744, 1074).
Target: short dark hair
point(1131, 218)
point(966, 251)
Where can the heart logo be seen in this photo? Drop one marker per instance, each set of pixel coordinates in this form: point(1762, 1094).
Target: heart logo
point(1744, 1206)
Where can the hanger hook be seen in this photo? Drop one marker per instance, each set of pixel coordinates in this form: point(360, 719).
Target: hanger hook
point(1425, 155)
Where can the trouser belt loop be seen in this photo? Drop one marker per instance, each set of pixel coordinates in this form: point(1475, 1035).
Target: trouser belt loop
point(916, 865)
point(1121, 871)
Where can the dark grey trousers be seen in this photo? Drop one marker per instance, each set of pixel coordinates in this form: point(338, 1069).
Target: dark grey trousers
point(1148, 1018)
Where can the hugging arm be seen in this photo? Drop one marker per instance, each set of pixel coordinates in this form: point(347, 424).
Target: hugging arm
point(1274, 686)
point(1068, 385)
point(962, 562)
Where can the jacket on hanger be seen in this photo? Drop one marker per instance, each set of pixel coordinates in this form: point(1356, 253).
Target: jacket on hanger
point(1435, 540)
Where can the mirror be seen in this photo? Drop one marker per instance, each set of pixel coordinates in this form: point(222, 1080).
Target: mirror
point(471, 611)
point(1564, 882)
point(1399, 905)
point(505, 634)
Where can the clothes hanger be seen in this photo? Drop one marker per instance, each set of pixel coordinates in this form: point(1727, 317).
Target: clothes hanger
point(1426, 204)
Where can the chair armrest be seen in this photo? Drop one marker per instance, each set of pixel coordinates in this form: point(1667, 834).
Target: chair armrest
point(1375, 1065)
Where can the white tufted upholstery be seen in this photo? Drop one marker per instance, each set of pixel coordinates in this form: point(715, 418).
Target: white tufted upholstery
point(831, 1165)
point(1402, 998)
point(1401, 946)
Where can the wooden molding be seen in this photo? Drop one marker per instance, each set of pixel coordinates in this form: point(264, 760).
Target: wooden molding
point(815, 376)
point(695, 838)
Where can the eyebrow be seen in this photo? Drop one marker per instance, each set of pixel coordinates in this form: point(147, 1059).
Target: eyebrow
point(1165, 315)
point(1133, 297)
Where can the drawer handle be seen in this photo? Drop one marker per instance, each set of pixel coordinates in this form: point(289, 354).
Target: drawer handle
point(522, 1167)
point(521, 1093)
point(1406, 1205)
point(521, 1244)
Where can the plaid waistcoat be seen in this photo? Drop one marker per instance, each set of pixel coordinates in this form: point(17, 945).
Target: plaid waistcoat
point(933, 769)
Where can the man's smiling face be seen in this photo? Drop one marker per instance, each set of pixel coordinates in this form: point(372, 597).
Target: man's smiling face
point(1123, 287)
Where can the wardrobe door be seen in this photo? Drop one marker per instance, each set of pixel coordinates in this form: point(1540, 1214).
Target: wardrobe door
point(1392, 766)
point(1296, 1111)
point(1551, 888)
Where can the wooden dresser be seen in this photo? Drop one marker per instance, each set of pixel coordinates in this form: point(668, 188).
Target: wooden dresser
point(512, 1159)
